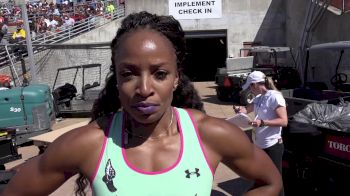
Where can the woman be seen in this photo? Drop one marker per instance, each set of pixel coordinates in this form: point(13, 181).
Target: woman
point(270, 115)
point(146, 146)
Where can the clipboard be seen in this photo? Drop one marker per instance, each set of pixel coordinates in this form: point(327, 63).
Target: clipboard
point(241, 120)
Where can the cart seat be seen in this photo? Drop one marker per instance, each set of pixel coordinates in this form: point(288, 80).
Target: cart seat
point(88, 86)
point(344, 87)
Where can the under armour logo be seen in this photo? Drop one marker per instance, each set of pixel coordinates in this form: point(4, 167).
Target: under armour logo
point(196, 172)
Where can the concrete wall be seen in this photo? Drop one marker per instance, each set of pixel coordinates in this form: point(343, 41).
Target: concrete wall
point(248, 20)
point(104, 33)
point(260, 21)
point(330, 28)
point(271, 22)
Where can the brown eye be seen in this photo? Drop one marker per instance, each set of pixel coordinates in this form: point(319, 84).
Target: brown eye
point(126, 74)
point(161, 75)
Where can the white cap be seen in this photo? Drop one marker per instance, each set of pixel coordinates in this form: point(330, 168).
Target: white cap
point(254, 77)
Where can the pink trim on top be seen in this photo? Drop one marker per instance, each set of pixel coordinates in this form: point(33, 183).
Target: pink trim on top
point(200, 142)
point(163, 170)
point(123, 127)
point(102, 150)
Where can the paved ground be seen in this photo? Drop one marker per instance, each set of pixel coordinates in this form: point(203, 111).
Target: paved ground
point(226, 182)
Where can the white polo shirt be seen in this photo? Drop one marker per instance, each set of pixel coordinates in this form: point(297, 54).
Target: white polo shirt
point(265, 106)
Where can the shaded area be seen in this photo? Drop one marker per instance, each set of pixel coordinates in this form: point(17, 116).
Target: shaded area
point(206, 52)
point(216, 193)
point(214, 99)
point(274, 19)
point(236, 186)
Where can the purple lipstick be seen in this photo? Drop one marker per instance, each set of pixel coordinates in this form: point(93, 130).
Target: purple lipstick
point(146, 108)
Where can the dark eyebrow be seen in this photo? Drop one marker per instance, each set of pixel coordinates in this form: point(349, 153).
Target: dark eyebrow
point(160, 64)
point(155, 66)
point(131, 66)
point(126, 65)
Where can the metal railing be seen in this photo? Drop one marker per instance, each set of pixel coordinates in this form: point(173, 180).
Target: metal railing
point(59, 56)
point(65, 33)
point(61, 34)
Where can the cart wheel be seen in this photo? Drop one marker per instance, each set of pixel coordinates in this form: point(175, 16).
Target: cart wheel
point(246, 97)
point(221, 95)
point(338, 79)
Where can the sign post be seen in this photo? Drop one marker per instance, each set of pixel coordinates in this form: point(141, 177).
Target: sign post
point(23, 7)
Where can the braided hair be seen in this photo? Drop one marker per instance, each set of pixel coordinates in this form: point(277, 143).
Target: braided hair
point(185, 96)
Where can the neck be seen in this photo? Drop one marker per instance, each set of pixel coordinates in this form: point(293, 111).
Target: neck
point(264, 91)
point(157, 131)
point(260, 91)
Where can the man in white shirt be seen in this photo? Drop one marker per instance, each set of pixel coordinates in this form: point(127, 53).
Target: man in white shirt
point(56, 12)
point(68, 21)
point(53, 23)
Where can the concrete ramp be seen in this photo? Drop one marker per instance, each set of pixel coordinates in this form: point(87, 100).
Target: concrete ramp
point(104, 33)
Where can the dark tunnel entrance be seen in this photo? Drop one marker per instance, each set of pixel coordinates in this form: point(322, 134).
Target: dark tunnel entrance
point(207, 51)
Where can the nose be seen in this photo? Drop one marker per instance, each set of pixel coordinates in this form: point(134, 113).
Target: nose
point(145, 88)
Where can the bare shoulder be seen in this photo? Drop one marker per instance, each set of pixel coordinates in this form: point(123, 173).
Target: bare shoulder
point(83, 138)
point(77, 148)
point(219, 135)
point(212, 125)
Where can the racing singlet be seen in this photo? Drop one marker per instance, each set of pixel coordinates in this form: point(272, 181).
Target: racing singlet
point(190, 175)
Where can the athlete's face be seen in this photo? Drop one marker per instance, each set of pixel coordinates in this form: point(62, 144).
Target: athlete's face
point(147, 74)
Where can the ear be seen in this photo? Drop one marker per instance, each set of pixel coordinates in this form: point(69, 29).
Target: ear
point(176, 81)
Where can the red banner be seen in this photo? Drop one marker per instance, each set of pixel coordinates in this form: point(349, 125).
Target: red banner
point(338, 146)
point(343, 5)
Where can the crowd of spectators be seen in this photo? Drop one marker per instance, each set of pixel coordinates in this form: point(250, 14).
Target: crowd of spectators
point(48, 18)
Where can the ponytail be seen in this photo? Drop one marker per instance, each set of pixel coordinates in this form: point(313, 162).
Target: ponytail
point(269, 83)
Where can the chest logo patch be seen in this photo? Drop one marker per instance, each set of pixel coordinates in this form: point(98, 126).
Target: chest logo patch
point(189, 174)
point(109, 175)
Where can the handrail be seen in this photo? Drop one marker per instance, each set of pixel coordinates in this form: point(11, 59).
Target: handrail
point(64, 34)
point(90, 23)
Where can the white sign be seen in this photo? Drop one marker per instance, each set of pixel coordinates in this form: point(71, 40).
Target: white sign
point(195, 9)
